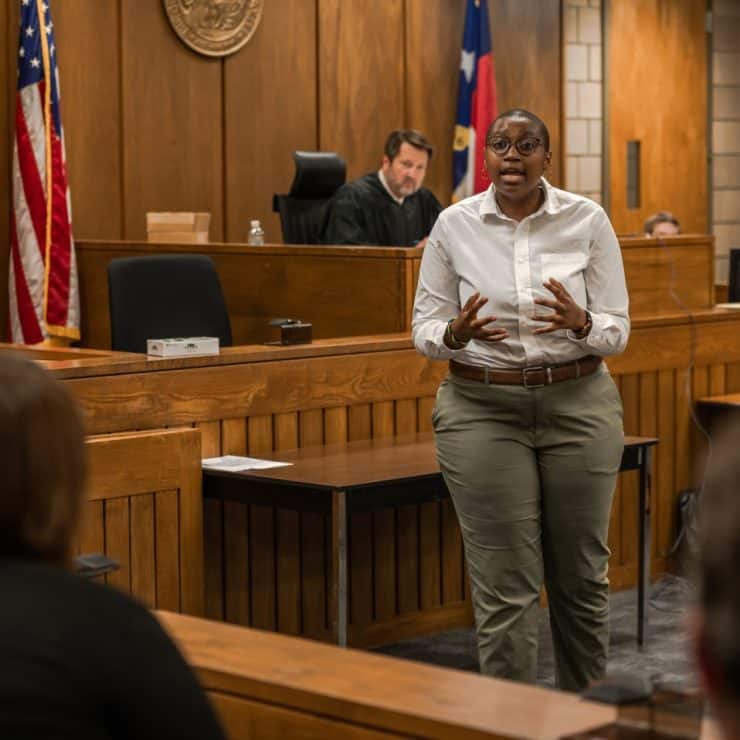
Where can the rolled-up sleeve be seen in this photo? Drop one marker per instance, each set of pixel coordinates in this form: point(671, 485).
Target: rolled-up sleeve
point(608, 300)
point(437, 297)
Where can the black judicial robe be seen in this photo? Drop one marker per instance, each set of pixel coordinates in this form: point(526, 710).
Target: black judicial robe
point(362, 212)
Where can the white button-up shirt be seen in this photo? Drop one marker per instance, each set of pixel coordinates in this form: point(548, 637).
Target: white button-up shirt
point(474, 247)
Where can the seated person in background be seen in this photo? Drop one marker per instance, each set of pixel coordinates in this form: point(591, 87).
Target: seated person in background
point(77, 659)
point(717, 614)
point(388, 207)
point(662, 223)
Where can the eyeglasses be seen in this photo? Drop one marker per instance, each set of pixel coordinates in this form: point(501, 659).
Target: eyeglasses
point(526, 146)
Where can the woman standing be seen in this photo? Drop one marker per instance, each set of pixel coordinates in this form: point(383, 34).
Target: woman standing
point(522, 289)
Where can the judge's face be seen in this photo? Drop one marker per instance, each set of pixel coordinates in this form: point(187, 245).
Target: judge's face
point(515, 174)
point(665, 228)
point(405, 172)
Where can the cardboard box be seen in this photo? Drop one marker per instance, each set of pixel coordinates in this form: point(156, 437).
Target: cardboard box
point(189, 227)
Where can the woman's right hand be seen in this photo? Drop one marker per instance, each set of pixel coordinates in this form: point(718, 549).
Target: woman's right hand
point(468, 326)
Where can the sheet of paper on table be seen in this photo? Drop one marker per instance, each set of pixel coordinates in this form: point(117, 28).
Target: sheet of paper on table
point(237, 463)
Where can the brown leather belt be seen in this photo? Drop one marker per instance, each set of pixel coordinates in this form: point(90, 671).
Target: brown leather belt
point(529, 377)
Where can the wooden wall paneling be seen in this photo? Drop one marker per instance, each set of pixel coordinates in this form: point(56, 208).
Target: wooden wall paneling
point(314, 569)
point(143, 557)
point(430, 567)
point(262, 536)
point(631, 401)
point(527, 54)
point(118, 542)
point(310, 428)
point(361, 78)
point(360, 426)
point(732, 377)
point(270, 111)
point(670, 83)
point(172, 124)
point(425, 406)
point(210, 433)
point(433, 39)
point(236, 574)
point(717, 380)
point(168, 547)
point(335, 425)
point(408, 559)
point(234, 437)
point(406, 416)
point(288, 544)
point(91, 537)
point(215, 560)
point(361, 569)
point(683, 431)
point(663, 464)
point(88, 45)
point(384, 527)
point(648, 427)
point(699, 389)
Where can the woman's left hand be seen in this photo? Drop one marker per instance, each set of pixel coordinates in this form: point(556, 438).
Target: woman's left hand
point(567, 314)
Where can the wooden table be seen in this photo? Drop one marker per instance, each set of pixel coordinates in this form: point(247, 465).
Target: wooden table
point(374, 474)
point(719, 412)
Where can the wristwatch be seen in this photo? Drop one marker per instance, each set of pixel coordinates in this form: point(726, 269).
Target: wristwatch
point(586, 329)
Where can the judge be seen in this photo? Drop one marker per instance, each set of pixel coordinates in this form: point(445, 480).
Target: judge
point(388, 207)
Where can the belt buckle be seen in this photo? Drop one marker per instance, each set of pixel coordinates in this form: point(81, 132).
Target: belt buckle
point(528, 385)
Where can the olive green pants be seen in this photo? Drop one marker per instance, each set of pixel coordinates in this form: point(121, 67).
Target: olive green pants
point(531, 473)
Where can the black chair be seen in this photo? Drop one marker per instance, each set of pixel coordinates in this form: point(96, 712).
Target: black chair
point(303, 210)
point(733, 287)
point(173, 295)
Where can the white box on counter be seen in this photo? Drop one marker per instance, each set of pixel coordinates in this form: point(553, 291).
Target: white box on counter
point(182, 346)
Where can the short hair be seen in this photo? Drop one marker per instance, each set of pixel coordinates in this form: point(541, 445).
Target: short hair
point(661, 217)
point(42, 456)
point(529, 116)
point(719, 588)
point(406, 136)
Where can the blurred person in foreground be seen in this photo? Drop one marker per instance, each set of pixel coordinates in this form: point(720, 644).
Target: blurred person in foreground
point(716, 622)
point(77, 659)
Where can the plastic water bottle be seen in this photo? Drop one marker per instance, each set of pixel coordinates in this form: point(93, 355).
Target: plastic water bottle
point(256, 236)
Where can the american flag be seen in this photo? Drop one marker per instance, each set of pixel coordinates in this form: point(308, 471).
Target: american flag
point(44, 301)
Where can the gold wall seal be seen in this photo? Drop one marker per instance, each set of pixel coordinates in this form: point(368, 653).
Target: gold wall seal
point(214, 27)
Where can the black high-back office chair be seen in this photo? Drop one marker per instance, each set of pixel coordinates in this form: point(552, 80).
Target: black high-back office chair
point(733, 287)
point(303, 210)
point(172, 295)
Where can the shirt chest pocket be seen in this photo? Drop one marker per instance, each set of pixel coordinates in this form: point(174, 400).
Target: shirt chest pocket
point(568, 268)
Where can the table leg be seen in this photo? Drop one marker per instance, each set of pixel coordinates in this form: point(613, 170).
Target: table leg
point(339, 567)
point(643, 575)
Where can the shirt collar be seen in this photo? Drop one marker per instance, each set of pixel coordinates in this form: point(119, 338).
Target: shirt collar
point(384, 183)
point(489, 206)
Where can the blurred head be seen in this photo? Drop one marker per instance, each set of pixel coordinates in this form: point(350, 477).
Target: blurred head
point(717, 619)
point(517, 155)
point(42, 462)
point(662, 223)
point(405, 161)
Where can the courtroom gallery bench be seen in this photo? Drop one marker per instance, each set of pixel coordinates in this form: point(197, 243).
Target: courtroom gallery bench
point(265, 685)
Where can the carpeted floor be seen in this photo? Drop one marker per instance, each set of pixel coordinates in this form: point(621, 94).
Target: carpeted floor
point(665, 659)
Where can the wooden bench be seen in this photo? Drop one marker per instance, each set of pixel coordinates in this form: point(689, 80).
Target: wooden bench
point(364, 476)
point(265, 685)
